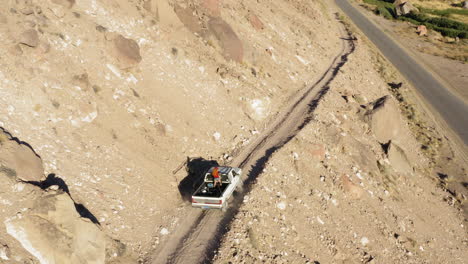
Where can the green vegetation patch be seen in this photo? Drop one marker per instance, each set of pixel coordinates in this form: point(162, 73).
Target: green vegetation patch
point(441, 23)
point(443, 12)
point(445, 26)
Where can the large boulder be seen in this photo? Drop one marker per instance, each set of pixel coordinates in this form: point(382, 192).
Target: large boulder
point(384, 119)
point(45, 225)
point(125, 50)
point(18, 160)
point(398, 159)
point(228, 39)
point(403, 7)
point(53, 231)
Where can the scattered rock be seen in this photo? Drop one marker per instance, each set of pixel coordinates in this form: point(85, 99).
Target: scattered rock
point(384, 119)
point(164, 231)
point(364, 241)
point(256, 22)
point(229, 41)
point(216, 136)
point(317, 151)
point(127, 50)
point(81, 80)
point(29, 38)
point(359, 99)
point(421, 30)
point(281, 205)
point(27, 11)
point(398, 159)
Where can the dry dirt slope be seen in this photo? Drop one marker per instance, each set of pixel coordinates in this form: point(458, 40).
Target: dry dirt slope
point(113, 95)
point(336, 194)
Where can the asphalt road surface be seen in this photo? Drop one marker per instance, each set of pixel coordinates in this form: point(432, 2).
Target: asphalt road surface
point(450, 107)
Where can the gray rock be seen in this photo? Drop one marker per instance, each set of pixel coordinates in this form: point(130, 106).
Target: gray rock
point(384, 119)
point(398, 159)
point(228, 39)
point(403, 7)
point(127, 50)
point(29, 38)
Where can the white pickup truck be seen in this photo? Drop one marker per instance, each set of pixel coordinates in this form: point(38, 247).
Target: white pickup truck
point(207, 196)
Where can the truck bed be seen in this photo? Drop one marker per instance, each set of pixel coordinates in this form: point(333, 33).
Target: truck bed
point(211, 192)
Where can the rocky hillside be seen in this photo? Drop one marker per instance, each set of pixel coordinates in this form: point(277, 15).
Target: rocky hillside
point(102, 100)
point(351, 187)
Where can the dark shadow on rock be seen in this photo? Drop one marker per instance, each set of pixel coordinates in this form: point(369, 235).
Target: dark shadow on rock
point(195, 168)
point(395, 85)
point(385, 146)
point(52, 180)
point(85, 213)
point(442, 176)
point(17, 140)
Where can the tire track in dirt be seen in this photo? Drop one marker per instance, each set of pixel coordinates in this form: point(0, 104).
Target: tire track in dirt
point(200, 234)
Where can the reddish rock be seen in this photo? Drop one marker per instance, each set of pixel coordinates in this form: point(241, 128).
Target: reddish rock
point(317, 151)
point(256, 22)
point(353, 190)
point(422, 30)
point(229, 41)
point(213, 7)
point(187, 17)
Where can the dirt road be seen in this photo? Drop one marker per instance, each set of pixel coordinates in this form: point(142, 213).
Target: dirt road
point(199, 234)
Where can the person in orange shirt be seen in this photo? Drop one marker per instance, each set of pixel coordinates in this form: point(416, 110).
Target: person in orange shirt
point(216, 177)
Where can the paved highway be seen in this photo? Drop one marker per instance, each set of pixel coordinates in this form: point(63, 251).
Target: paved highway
point(449, 106)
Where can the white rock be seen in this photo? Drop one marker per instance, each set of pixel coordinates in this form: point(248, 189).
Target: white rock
point(295, 156)
point(364, 241)
point(164, 231)
point(320, 221)
point(281, 205)
point(217, 136)
point(4, 253)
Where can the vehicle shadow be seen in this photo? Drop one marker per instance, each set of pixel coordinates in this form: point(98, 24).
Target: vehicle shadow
point(195, 168)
